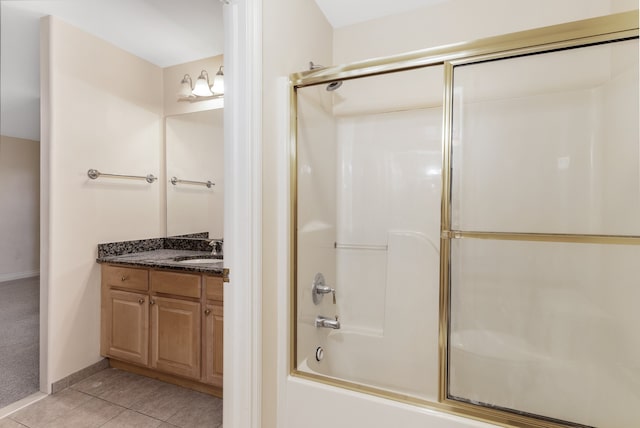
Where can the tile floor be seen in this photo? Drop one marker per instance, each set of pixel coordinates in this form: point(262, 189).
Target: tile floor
point(117, 399)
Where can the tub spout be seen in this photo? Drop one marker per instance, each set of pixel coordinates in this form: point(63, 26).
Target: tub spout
point(326, 322)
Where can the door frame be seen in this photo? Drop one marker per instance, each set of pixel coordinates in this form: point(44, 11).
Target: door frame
point(242, 382)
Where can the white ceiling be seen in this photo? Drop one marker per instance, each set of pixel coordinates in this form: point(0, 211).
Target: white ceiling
point(163, 32)
point(341, 13)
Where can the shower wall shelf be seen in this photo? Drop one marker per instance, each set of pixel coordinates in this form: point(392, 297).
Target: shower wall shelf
point(94, 174)
point(208, 183)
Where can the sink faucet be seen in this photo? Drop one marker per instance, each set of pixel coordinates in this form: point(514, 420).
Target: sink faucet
point(326, 322)
point(217, 247)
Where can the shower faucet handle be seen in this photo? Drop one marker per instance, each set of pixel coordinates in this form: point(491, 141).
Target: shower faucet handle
point(319, 288)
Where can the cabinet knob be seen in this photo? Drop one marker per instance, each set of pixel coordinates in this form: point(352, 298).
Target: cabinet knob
point(207, 311)
point(124, 278)
point(152, 302)
point(141, 300)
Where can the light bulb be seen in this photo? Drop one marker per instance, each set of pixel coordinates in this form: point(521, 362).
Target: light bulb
point(185, 87)
point(202, 88)
point(218, 82)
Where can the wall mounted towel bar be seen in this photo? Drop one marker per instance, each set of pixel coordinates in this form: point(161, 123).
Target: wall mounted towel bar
point(208, 183)
point(94, 173)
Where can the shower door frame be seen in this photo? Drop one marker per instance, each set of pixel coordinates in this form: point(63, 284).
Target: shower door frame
point(589, 32)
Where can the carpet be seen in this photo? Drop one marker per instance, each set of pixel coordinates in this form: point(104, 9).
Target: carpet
point(19, 339)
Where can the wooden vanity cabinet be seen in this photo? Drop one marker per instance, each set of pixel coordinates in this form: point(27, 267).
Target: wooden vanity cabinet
point(125, 314)
point(165, 322)
point(175, 322)
point(127, 332)
point(213, 331)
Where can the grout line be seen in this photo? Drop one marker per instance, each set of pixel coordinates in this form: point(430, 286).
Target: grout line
point(124, 409)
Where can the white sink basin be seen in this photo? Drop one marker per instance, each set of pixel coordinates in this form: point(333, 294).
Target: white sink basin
point(202, 261)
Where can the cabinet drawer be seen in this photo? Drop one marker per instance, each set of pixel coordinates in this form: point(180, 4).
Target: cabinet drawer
point(178, 284)
point(214, 288)
point(125, 277)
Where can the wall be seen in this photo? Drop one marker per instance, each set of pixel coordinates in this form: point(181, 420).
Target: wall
point(172, 76)
point(20, 101)
point(294, 33)
point(19, 210)
point(447, 22)
point(102, 109)
point(458, 21)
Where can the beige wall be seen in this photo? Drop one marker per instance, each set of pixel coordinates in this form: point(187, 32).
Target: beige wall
point(294, 33)
point(172, 77)
point(102, 109)
point(458, 21)
point(19, 209)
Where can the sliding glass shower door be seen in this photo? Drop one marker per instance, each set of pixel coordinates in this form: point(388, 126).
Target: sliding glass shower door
point(369, 180)
point(545, 215)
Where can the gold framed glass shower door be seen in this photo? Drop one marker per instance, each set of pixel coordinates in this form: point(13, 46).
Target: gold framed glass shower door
point(545, 198)
point(369, 157)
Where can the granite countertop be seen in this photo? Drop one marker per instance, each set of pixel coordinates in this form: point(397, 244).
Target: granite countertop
point(153, 253)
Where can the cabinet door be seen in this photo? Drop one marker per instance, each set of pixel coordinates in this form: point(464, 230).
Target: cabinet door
point(175, 336)
point(126, 325)
point(213, 351)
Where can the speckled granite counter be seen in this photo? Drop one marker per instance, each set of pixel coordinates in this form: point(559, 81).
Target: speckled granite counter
point(161, 253)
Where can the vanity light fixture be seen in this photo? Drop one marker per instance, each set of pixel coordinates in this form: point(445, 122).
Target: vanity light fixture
point(202, 87)
point(218, 82)
point(202, 90)
point(186, 87)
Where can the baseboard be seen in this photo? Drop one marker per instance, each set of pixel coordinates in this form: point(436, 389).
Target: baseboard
point(79, 375)
point(18, 275)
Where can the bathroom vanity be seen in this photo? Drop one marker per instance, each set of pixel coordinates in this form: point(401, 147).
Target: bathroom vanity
point(162, 315)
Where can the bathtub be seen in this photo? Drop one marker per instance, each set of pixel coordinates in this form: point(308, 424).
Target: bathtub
point(372, 360)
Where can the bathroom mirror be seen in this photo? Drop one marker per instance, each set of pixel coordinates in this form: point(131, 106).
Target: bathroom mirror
point(195, 173)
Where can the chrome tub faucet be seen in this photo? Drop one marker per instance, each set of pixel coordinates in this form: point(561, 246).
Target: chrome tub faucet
point(326, 322)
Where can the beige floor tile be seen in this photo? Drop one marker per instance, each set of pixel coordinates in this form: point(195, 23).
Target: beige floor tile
point(122, 388)
point(100, 382)
point(203, 411)
point(131, 419)
point(113, 398)
point(51, 408)
point(9, 423)
point(165, 401)
point(92, 414)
